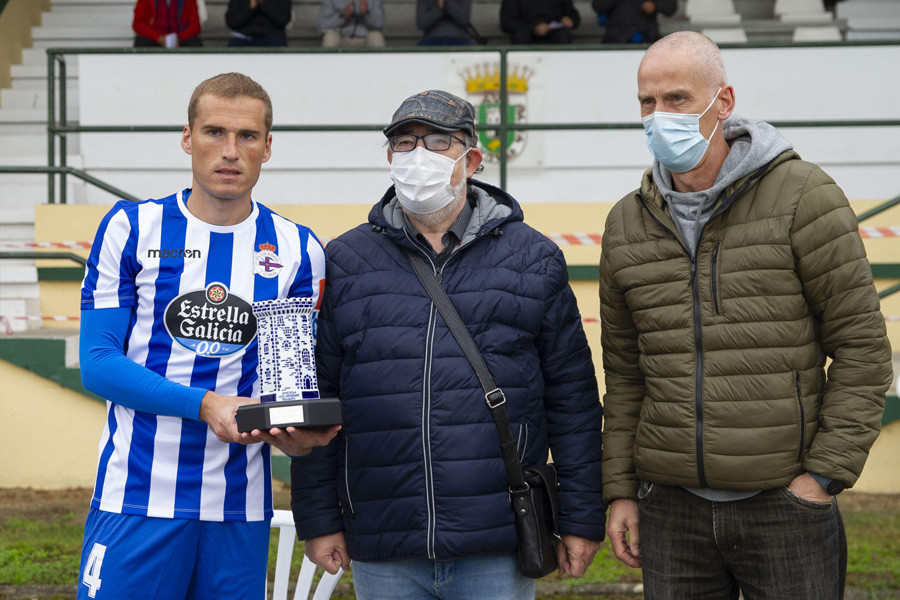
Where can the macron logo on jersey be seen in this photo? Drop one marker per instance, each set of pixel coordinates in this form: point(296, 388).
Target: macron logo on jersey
point(173, 253)
point(211, 322)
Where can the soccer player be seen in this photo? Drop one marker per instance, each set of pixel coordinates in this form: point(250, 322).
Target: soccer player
point(182, 500)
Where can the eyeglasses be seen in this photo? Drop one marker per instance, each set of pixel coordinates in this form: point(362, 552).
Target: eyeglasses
point(436, 142)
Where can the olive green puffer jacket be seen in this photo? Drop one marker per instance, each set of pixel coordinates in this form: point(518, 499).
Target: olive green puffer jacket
point(715, 368)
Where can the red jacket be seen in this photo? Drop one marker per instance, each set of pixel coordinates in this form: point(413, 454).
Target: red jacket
point(146, 24)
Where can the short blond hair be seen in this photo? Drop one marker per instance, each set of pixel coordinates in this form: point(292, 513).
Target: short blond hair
point(230, 85)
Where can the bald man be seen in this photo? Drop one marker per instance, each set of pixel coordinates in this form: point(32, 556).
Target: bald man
point(726, 280)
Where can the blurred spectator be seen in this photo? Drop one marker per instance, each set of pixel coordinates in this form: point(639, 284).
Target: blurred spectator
point(444, 22)
point(632, 21)
point(539, 21)
point(258, 22)
point(351, 23)
point(166, 23)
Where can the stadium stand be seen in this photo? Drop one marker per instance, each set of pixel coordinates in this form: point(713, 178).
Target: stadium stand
point(870, 19)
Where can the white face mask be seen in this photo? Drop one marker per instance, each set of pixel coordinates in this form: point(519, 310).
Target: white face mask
point(422, 179)
point(674, 139)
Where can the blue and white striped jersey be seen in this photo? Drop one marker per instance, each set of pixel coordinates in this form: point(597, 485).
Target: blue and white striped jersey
point(190, 286)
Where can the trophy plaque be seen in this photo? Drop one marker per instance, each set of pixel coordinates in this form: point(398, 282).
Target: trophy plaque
point(289, 394)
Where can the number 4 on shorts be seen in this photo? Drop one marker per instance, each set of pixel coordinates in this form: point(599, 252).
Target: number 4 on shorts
point(92, 569)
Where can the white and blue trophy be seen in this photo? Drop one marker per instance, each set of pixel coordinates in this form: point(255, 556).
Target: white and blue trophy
point(289, 394)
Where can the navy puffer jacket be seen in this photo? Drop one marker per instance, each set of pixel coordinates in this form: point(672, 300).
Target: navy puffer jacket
point(416, 470)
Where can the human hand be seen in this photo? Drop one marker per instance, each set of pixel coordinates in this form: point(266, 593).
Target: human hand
point(348, 10)
point(623, 519)
point(255, 3)
point(648, 7)
point(575, 554)
point(363, 6)
point(219, 412)
point(293, 441)
point(329, 552)
point(567, 22)
point(805, 486)
point(542, 29)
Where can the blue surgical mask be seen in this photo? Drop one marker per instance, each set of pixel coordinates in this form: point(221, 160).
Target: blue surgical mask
point(674, 139)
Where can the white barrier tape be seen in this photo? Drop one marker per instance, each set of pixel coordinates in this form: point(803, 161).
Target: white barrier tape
point(45, 245)
point(561, 239)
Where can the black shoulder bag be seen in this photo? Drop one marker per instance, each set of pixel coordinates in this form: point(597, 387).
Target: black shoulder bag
point(532, 491)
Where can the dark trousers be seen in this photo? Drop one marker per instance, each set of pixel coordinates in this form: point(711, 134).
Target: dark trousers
point(270, 41)
point(142, 42)
point(771, 546)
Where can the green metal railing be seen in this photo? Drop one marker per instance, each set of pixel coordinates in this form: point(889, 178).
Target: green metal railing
point(57, 125)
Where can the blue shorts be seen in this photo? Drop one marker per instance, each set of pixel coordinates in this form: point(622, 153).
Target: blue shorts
point(128, 556)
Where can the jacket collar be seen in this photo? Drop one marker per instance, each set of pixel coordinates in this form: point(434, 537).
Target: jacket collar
point(493, 208)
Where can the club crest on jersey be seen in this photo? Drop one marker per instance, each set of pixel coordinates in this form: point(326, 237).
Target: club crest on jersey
point(211, 322)
point(266, 262)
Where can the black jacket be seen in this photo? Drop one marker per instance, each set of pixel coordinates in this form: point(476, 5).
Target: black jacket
point(624, 18)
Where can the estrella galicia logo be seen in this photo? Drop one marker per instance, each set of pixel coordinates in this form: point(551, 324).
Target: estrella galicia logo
point(211, 322)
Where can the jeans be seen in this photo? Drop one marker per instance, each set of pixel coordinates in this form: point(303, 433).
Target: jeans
point(770, 546)
point(481, 577)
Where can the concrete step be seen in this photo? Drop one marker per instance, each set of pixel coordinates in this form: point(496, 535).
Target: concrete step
point(80, 17)
point(30, 115)
point(19, 314)
point(28, 83)
point(34, 98)
point(28, 193)
point(31, 144)
point(110, 41)
point(31, 160)
point(16, 272)
point(18, 215)
point(112, 4)
point(72, 33)
point(17, 128)
point(15, 232)
point(867, 8)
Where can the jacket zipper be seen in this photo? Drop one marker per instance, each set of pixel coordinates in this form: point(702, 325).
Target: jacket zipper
point(802, 416)
point(698, 342)
point(698, 378)
point(426, 399)
point(695, 293)
point(715, 287)
point(347, 474)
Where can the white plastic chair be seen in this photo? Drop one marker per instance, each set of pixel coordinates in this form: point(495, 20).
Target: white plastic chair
point(287, 538)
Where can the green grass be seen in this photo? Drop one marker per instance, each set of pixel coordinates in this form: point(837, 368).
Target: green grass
point(46, 552)
point(37, 552)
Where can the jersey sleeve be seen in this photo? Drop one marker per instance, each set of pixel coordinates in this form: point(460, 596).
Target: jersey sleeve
point(106, 371)
point(310, 279)
point(109, 280)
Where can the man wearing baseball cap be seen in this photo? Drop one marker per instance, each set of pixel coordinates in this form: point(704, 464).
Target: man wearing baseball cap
point(415, 490)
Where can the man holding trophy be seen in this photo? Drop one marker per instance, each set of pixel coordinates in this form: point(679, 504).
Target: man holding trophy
point(175, 294)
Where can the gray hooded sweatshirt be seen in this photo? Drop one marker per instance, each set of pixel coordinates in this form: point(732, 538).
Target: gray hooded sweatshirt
point(753, 144)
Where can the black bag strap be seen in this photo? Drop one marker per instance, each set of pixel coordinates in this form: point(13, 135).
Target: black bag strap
point(493, 396)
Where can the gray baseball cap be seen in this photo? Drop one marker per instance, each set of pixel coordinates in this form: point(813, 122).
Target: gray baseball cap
point(437, 108)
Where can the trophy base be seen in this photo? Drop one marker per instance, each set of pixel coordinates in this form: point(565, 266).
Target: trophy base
point(309, 413)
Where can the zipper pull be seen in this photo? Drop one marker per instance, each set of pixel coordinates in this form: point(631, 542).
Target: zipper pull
point(693, 268)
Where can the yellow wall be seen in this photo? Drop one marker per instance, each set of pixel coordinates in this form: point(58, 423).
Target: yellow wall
point(53, 432)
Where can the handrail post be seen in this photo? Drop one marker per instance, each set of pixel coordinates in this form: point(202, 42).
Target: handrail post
point(51, 125)
point(878, 209)
point(63, 121)
point(504, 100)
